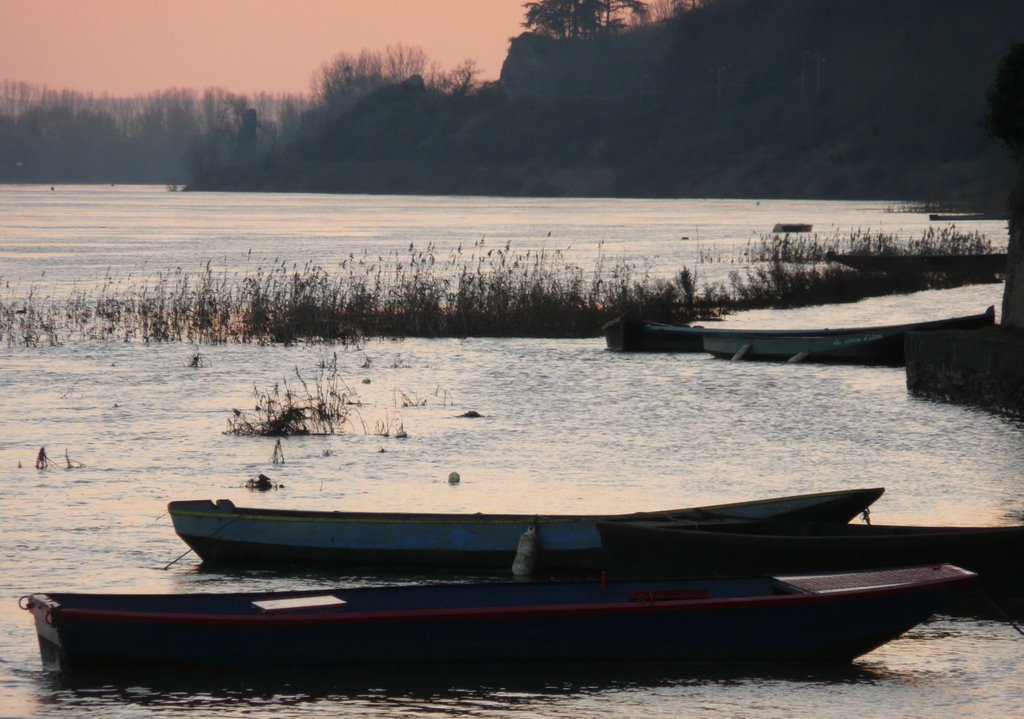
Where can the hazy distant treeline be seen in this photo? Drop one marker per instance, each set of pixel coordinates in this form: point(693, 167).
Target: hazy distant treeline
point(171, 136)
point(51, 135)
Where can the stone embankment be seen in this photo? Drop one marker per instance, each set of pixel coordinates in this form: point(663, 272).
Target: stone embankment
point(979, 367)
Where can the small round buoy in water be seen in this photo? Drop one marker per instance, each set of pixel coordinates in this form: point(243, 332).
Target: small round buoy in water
point(526, 553)
point(454, 478)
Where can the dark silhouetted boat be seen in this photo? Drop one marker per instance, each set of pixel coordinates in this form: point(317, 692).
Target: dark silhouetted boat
point(728, 548)
point(833, 617)
point(791, 227)
point(967, 216)
point(980, 267)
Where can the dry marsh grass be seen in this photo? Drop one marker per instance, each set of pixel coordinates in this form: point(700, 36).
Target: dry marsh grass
point(801, 248)
point(481, 291)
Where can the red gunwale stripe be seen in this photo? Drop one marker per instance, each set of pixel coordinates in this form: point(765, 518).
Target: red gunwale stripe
point(548, 610)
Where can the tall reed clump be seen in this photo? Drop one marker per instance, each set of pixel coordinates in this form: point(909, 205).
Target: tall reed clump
point(479, 291)
point(812, 248)
point(779, 285)
point(317, 407)
point(476, 291)
point(31, 322)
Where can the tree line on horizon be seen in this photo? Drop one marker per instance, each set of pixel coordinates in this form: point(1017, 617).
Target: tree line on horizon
point(770, 98)
point(173, 135)
point(51, 135)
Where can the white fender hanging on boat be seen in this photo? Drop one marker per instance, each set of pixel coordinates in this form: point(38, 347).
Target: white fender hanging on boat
point(526, 553)
point(741, 352)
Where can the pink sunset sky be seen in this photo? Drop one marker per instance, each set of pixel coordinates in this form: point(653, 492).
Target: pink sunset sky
point(132, 47)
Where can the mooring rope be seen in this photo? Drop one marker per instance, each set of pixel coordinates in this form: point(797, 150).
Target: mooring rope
point(1001, 612)
point(187, 551)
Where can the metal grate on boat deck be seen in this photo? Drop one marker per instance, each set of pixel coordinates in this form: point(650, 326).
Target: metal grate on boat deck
point(826, 583)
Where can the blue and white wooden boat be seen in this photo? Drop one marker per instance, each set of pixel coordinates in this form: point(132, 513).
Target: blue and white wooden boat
point(220, 532)
point(869, 346)
point(834, 617)
point(881, 344)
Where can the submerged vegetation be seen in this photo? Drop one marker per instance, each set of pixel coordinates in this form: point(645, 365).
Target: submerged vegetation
point(320, 406)
point(481, 292)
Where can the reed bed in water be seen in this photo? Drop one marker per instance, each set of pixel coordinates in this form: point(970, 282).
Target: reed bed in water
point(801, 248)
point(481, 292)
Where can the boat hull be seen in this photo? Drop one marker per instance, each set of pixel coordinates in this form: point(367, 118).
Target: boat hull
point(873, 345)
point(870, 346)
point(876, 348)
point(731, 549)
point(223, 533)
point(788, 618)
point(987, 266)
point(623, 334)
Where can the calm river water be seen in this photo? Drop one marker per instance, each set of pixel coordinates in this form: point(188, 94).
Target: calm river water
point(566, 427)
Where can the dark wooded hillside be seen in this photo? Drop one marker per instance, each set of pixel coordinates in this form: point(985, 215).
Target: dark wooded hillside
point(759, 98)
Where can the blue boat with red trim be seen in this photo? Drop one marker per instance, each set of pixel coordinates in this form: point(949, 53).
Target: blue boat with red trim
point(834, 617)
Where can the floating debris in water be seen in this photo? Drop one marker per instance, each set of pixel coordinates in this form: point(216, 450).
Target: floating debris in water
point(320, 407)
point(72, 464)
point(454, 478)
point(278, 457)
point(262, 483)
point(471, 413)
point(42, 461)
point(444, 394)
point(198, 360)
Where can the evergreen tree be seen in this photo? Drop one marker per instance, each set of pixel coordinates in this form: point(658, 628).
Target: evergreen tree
point(580, 19)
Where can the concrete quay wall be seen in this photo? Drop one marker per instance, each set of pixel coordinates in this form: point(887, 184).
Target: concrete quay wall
point(979, 367)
